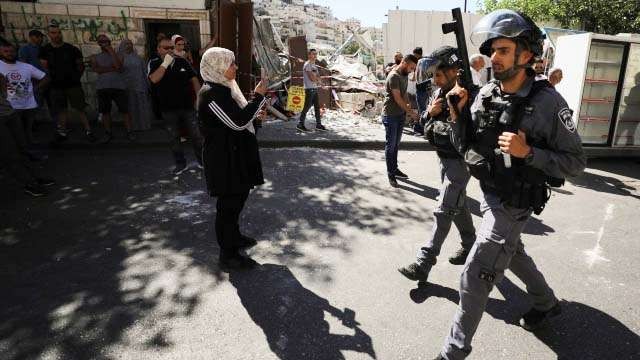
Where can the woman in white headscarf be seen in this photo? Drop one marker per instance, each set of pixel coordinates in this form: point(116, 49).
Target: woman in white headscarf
point(135, 73)
point(230, 152)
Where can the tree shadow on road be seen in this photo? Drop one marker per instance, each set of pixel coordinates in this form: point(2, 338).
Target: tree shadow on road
point(580, 332)
point(114, 258)
point(292, 317)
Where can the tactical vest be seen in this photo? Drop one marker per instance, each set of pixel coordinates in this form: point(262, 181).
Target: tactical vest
point(438, 132)
point(520, 186)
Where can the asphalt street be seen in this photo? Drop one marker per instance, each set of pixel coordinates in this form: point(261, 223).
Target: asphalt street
point(120, 262)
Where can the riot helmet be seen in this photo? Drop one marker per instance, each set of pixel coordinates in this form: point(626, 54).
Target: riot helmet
point(510, 24)
point(441, 58)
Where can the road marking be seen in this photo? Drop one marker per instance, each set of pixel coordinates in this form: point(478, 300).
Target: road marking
point(595, 255)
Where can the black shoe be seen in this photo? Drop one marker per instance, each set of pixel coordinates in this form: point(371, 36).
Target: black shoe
point(535, 319)
point(400, 174)
point(320, 127)
point(90, 137)
point(61, 136)
point(392, 181)
point(35, 190)
point(236, 262)
point(414, 272)
point(108, 136)
point(179, 169)
point(460, 257)
point(301, 127)
point(247, 242)
point(45, 181)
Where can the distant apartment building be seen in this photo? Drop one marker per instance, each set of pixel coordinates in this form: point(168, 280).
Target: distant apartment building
point(323, 31)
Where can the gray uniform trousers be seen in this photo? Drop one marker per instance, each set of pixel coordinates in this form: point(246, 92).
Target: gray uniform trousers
point(498, 247)
point(452, 207)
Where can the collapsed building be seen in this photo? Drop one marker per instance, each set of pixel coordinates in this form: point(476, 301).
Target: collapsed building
point(349, 82)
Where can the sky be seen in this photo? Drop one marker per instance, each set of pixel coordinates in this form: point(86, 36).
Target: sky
point(372, 12)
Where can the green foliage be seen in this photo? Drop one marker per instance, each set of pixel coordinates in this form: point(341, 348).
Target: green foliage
point(351, 48)
point(600, 16)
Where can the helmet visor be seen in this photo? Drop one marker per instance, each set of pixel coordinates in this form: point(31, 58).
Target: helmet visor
point(499, 23)
point(426, 68)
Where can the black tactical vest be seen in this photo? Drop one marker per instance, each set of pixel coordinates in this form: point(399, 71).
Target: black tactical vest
point(520, 186)
point(438, 132)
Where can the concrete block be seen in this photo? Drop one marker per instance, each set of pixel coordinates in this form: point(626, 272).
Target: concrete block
point(114, 11)
point(14, 21)
point(63, 21)
point(51, 9)
point(138, 38)
point(187, 14)
point(16, 7)
point(148, 13)
point(84, 10)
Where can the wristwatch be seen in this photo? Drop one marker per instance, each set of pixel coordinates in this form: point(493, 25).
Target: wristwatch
point(529, 158)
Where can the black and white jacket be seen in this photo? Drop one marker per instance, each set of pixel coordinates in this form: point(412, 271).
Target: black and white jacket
point(230, 153)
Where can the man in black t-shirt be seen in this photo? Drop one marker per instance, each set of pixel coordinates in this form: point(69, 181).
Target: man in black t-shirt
point(172, 76)
point(64, 64)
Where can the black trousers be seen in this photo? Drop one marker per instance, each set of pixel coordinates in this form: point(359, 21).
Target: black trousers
point(12, 151)
point(229, 208)
point(310, 98)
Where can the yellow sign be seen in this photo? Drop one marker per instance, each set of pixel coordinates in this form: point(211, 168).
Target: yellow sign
point(295, 100)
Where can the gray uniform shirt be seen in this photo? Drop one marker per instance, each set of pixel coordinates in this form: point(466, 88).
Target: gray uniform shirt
point(549, 120)
point(109, 80)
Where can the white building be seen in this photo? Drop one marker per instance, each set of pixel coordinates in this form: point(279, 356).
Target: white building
point(408, 29)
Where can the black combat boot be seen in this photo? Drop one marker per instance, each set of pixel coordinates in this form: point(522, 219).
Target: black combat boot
point(460, 257)
point(535, 319)
point(233, 260)
point(415, 272)
point(247, 242)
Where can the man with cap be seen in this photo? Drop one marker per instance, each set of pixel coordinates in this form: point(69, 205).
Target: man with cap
point(452, 207)
point(519, 139)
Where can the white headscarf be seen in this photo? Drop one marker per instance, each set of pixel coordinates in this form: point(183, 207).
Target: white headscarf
point(175, 38)
point(215, 61)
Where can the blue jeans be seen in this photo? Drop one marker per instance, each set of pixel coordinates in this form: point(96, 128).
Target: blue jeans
point(393, 125)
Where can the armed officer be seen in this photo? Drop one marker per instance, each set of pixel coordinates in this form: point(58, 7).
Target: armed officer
point(452, 206)
point(518, 138)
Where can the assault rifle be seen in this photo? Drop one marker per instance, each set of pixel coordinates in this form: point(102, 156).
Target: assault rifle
point(464, 73)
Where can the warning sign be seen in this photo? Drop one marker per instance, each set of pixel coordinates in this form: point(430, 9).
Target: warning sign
point(295, 101)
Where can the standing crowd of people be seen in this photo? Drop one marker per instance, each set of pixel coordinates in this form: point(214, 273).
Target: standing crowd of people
point(42, 83)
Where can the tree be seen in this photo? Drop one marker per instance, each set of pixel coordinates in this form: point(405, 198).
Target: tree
point(601, 16)
point(351, 48)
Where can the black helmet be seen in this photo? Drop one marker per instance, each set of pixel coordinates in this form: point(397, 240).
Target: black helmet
point(508, 24)
point(441, 58)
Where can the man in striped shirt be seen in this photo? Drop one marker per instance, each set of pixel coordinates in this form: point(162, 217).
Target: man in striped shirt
point(172, 77)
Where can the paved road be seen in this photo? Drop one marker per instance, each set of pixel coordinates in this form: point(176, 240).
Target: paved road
point(120, 262)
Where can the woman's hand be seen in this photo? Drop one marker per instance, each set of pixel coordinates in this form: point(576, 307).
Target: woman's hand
point(261, 87)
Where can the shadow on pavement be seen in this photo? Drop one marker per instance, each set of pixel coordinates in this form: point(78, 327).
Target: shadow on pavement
point(603, 183)
point(534, 225)
point(580, 332)
point(292, 317)
point(121, 250)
